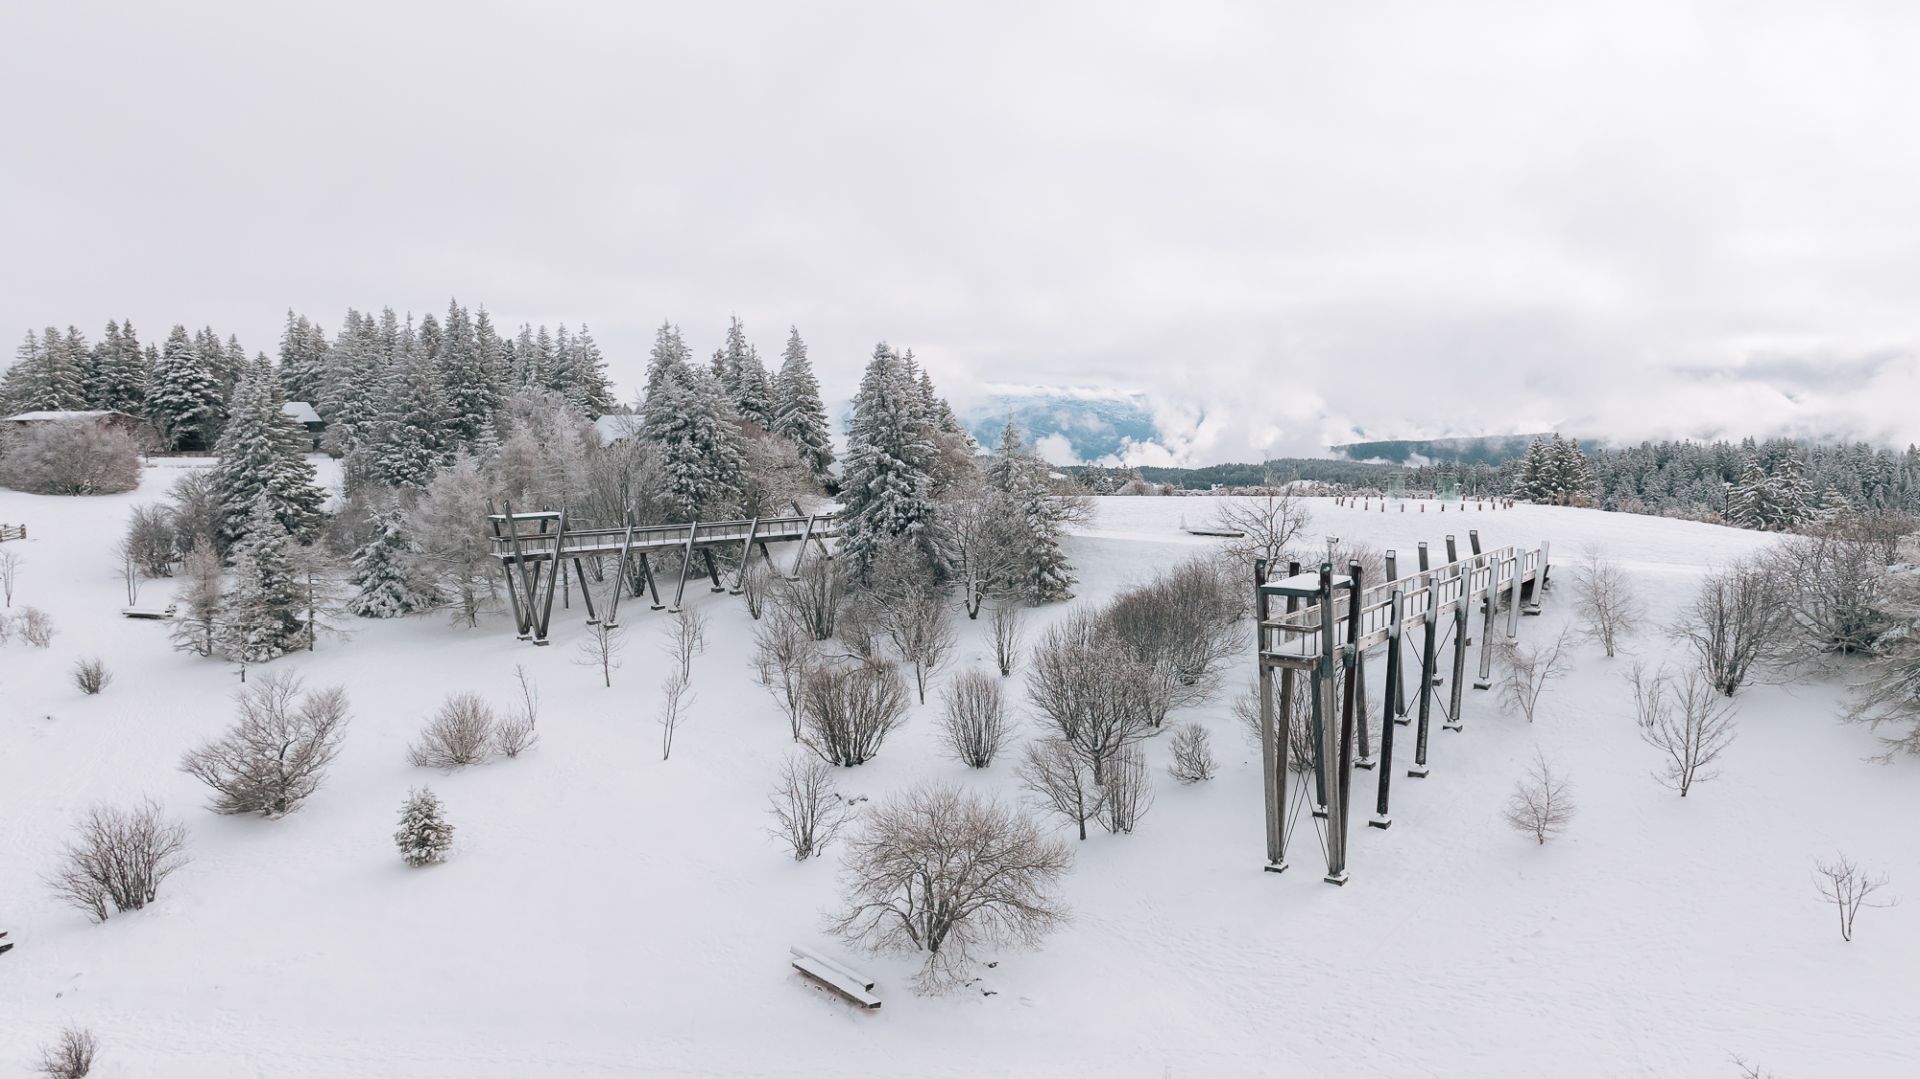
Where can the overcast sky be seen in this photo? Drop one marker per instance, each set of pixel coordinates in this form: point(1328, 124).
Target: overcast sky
point(1287, 224)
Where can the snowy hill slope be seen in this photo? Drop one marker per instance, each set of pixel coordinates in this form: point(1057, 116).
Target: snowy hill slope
point(609, 913)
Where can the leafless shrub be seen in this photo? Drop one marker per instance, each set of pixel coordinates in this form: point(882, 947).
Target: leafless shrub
point(860, 627)
point(814, 597)
point(1684, 717)
point(72, 1056)
point(987, 540)
point(943, 872)
point(1089, 692)
point(1060, 777)
point(460, 733)
point(35, 626)
point(851, 710)
point(1847, 887)
point(756, 580)
point(1525, 670)
point(1749, 1071)
point(975, 715)
point(808, 809)
point(602, 649)
point(129, 571)
point(784, 654)
point(277, 753)
point(6, 627)
point(1887, 692)
point(76, 457)
point(529, 697)
point(1182, 628)
point(1129, 791)
point(91, 675)
point(1269, 522)
point(1737, 625)
point(1542, 803)
point(1834, 588)
point(120, 857)
point(152, 540)
point(676, 700)
point(1881, 528)
point(686, 633)
point(514, 736)
point(9, 573)
point(1192, 755)
point(1608, 607)
point(915, 622)
point(1007, 625)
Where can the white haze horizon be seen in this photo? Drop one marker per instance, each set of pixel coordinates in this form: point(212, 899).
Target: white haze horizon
point(1286, 226)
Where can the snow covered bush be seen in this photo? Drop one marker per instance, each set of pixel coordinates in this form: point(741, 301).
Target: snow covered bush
point(9, 574)
point(940, 871)
point(1887, 692)
point(1525, 670)
point(1060, 778)
point(974, 714)
point(1738, 625)
point(90, 675)
point(1192, 755)
point(72, 1056)
point(1835, 590)
point(851, 710)
point(277, 753)
point(1542, 802)
point(260, 615)
point(35, 626)
point(383, 575)
point(424, 836)
point(1129, 791)
point(74, 457)
point(808, 809)
point(119, 859)
point(459, 734)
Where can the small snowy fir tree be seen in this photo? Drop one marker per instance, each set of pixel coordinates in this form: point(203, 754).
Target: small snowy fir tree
point(799, 415)
point(424, 836)
point(263, 459)
point(261, 614)
point(1745, 497)
point(1021, 478)
point(382, 579)
point(887, 489)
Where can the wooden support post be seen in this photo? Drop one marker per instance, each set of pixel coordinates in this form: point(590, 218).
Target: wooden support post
point(1396, 711)
point(620, 575)
point(801, 555)
point(553, 578)
point(1273, 746)
point(1457, 694)
point(1363, 733)
point(713, 571)
point(650, 582)
point(1485, 680)
point(686, 563)
point(1473, 539)
point(528, 578)
point(1331, 761)
point(1453, 553)
point(1381, 817)
point(586, 594)
point(1429, 638)
point(1538, 584)
point(746, 557)
point(1513, 597)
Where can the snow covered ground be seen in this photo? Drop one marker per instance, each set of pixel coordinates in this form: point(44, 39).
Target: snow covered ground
point(608, 913)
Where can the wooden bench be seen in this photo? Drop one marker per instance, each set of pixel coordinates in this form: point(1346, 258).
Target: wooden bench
point(836, 976)
point(156, 613)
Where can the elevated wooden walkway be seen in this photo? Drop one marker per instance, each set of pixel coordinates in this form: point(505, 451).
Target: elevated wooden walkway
point(532, 549)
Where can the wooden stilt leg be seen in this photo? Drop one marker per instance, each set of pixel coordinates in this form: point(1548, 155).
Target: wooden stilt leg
point(1429, 638)
point(1456, 693)
point(686, 565)
point(586, 594)
point(1485, 680)
point(1273, 746)
point(713, 571)
point(746, 557)
point(1381, 817)
point(652, 583)
point(1331, 764)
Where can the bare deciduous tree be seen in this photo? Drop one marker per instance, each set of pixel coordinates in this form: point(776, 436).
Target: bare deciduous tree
point(9, 573)
point(1088, 690)
point(72, 1056)
point(988, 547)
point(1608, 607)
point(1542, 803)
point(939, 871)
point(90, 674)
point(814, 597)
point(756, 580)
point(1848, 887)
point(35, 626)
point(916, 623)
point(1525, 670)
point(602, 649)
point(784, 654)
point(1300, 746)
point(686, 633)
point(1685, 718)
point(806, 805)
point(460, 733)
point(197, 629)
point(974, 713)
point(278, 751)
point(1887, 692)
point(676, 701)
point(1060, 778)
point(1192, 755)
point(152, 540)
point(1269, 523)
point(1737, 625)
point(1129, 791)
point(120, 858)
point(1834, 587)
point(851, 710)
point(518, 733)
point(128, 569)
point(1182, 628)
point(1007, 624)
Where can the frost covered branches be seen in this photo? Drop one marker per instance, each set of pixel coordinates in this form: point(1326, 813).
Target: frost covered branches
point(1093, 696)
point(942, 872)
point(850, 711)
point(1608, 608)
point(1542, 803)
point(1737, 625)
point(1848, 887)
point(1525, 670)
point(974, 715)
point(277, 753)
point(808, 810)
point(1269, 523)
point(119, 859)
point(1687, 720)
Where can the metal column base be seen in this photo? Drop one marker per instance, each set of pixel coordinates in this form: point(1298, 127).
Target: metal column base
point(1382, 823)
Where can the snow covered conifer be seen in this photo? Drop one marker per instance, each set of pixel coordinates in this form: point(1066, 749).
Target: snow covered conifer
point(424, 837)
point(263, 459)
point(745, 378)
point(799, 416)
point(45, 375)
point(261, 617)
point(119, 376)
point(582, 374)
point(382, 576)
point(1021, 478)
point(686, 414)
point(1745, 497)
point(413, 422)
point(887, 488)
point(183, 397)
point(469, 380)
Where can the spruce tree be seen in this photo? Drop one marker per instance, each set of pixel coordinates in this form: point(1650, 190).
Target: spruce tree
point(303, 352)
point(350, 392)
point(412, 441)
point(586, 386)
point(263, 460)
point(383, 577)
point(887, 488)
point(467, 378)
point(119, 376)
point(799, 415)
point(261, 612)
point(702, 452)
point(1788, 493)
point(424, 836)
point(1746, 498)
point(1021, 479)
point(183, 397)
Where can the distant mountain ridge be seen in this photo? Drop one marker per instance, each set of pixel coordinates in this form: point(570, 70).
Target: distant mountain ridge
point(1474, 450)
point(1094, 424)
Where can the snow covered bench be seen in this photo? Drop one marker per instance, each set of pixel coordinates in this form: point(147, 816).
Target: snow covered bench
point(149, 612)
point(836, 976)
